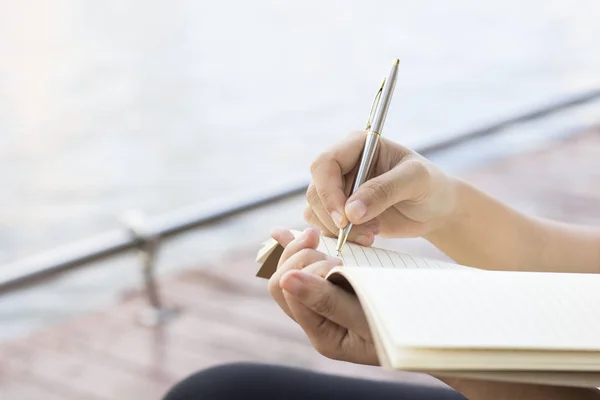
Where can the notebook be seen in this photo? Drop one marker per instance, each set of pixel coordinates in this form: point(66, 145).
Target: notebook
point(452, 320)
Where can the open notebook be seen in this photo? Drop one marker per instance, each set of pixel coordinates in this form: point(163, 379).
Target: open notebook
point(451, 320)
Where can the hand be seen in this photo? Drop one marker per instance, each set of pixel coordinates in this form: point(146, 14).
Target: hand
point(331, 317)
point(407, 197)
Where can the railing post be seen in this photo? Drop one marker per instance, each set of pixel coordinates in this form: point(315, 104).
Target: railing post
point(148, 244)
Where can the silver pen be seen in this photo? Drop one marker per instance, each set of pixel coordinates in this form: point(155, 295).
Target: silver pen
point(379, 109)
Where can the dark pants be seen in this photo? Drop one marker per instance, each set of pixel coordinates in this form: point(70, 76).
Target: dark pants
point(267, 382)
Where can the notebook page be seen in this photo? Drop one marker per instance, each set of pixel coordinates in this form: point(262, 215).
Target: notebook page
point(361, 256)
point(490, 310)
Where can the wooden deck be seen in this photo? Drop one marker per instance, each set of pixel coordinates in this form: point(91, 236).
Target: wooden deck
point(227, 314)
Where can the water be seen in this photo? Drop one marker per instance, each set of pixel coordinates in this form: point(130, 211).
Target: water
point(106, 106)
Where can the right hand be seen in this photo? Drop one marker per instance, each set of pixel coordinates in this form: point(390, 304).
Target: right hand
point(407, 195)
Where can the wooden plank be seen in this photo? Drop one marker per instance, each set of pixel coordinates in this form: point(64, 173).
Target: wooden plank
point(65, 363)
point(32, 390)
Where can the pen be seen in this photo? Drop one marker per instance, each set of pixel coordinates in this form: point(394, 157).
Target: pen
point(379, 109)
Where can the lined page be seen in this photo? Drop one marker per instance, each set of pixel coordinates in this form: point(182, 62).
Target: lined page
point(354, 255)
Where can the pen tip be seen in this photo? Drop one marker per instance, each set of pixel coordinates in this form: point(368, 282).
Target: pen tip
point(396, 62)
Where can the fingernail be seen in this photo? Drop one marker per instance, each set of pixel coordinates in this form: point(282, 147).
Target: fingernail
point(337, 218)
point(364, 239)
point(292, 284)
point(356, 210)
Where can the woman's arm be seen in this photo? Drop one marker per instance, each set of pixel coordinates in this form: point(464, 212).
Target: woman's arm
point(488, 234)
point(485, 233)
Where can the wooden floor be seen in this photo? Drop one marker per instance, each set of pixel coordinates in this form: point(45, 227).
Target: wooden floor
point(227, 314)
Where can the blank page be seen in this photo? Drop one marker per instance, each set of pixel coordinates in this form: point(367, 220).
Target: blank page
point(488, 310)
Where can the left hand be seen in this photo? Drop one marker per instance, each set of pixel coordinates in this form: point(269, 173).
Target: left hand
point(332, 318)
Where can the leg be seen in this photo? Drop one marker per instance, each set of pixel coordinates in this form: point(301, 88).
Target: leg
point(266, 382)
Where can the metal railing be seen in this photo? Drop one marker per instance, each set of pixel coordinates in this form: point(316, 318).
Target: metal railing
point(146, 234)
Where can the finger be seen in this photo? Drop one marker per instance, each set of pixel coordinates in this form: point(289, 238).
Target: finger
point(303, 259)
point(328, 170)
point(309, 239)
point(406, 181)
point(311, 218)
point(322, 268)
point(349, 179)
point(319, 268)
point(362, 234)
point(317, 208)
point(322, 299)
point(282, 236)
point(291, 245)
point(299, 260)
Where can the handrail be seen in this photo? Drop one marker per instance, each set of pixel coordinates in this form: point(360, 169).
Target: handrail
point(36, 269)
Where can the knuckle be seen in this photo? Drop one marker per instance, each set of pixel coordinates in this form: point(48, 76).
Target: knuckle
point(417, 168)
point(328, 347)
point(325, 349)
point(356, 134)
point(379, 190)
point(341, 349)
point(324, 305)
point(300, 259)
point(316, 164)
point(305, 255)
point(309, 214)
point(323, 269)
point(311, 195)
point(273, 285)
point(325, 196)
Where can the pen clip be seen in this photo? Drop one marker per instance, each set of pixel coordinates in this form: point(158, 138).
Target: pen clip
point(375, 104)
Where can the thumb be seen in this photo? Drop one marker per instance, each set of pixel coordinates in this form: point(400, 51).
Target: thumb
point(403, 182)
point(321, 299)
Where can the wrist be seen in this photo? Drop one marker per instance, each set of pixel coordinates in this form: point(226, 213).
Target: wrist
point(483, 232)
point(457, 216)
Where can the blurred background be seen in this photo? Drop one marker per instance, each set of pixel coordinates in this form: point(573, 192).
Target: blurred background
point(176, 108)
